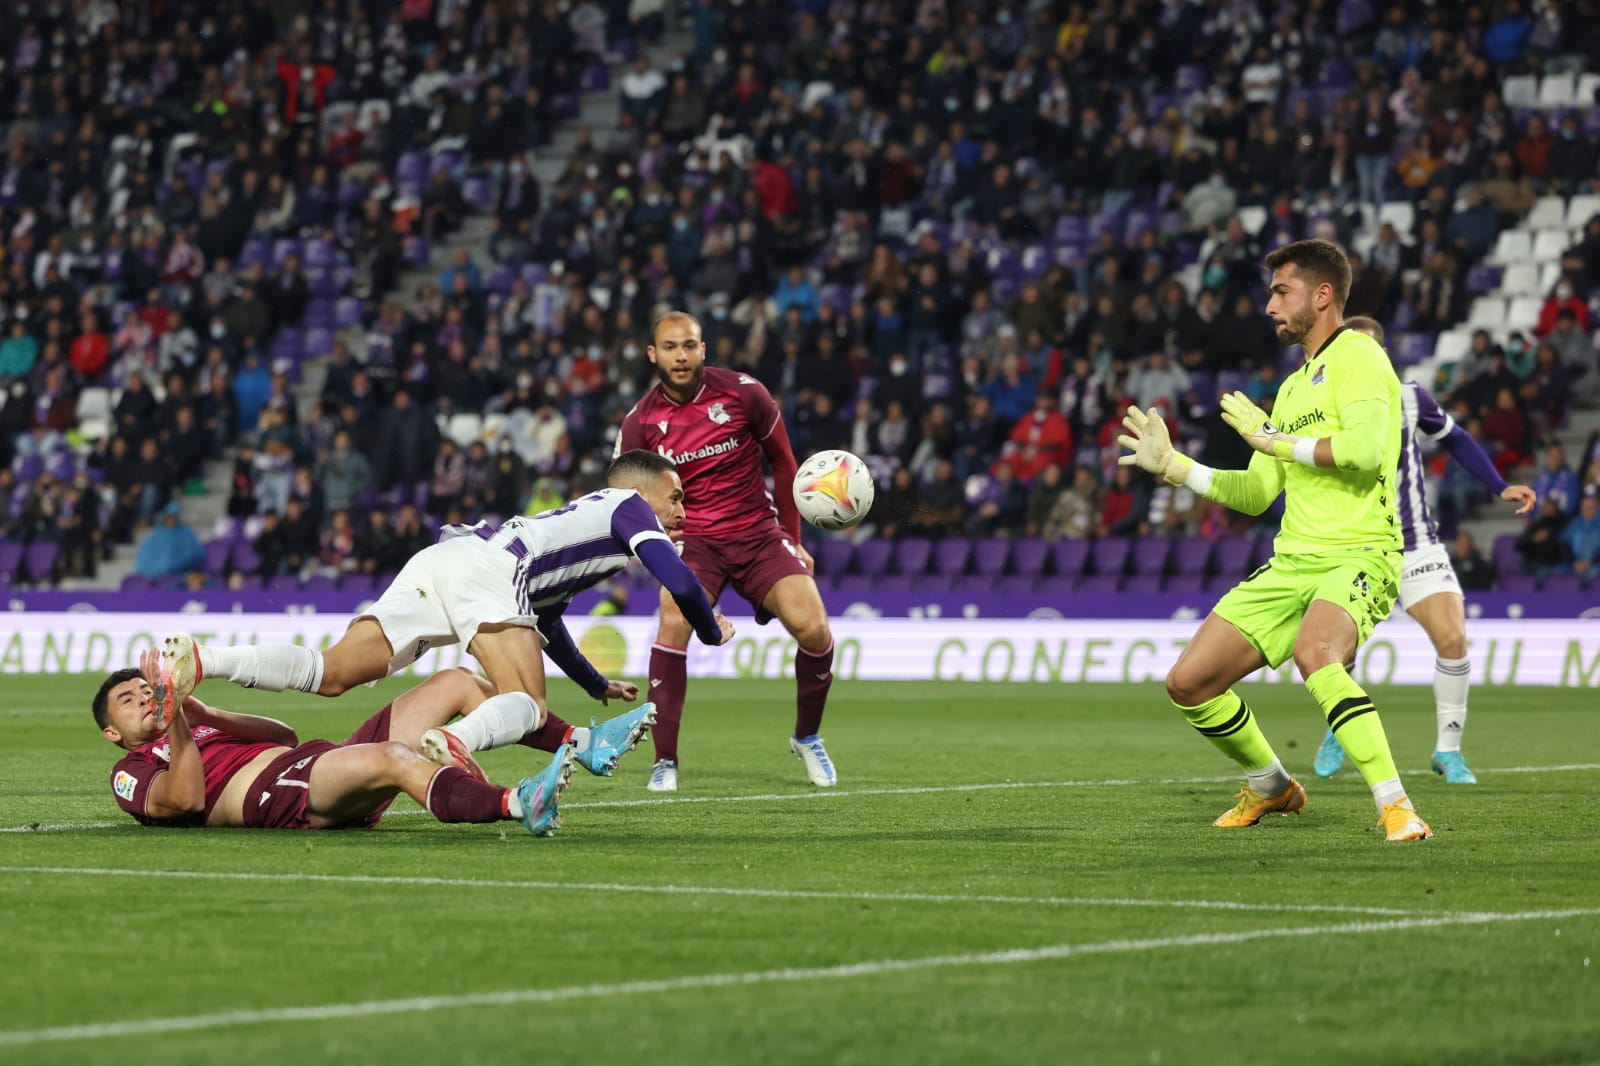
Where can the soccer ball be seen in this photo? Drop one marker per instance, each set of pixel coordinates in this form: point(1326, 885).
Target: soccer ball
point(833, 490)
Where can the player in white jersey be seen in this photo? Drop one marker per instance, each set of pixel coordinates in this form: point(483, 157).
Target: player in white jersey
point(1429, 591)
point(500, 591)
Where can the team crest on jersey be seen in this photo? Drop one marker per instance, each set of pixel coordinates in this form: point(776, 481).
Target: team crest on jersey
point(746, 379)
point(124, 785)
point(718, 414)
point(1319, 375)
point(662, 425)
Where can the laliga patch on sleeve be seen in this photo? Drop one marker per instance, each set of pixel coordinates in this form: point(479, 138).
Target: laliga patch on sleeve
point(124, 784)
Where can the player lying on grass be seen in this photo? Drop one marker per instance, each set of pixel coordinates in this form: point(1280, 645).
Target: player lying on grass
point(1429, 591)
point(193, 765)
point(502, 591)
point(1332, 448)
point(719, 425)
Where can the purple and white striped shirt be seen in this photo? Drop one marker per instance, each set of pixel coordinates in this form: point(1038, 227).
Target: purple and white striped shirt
point(1423, 417)
point(562, 552)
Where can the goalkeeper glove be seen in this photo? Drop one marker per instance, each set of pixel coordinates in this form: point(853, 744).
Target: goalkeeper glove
point(1252, 423)
point(1151, 447)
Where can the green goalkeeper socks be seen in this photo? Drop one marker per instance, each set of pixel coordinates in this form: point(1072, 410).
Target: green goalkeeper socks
point(1354, 720)
point(1228, 723)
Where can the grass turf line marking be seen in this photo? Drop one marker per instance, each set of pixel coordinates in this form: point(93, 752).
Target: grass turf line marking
point(921, 790)
point(698, 890)
point(516, 997)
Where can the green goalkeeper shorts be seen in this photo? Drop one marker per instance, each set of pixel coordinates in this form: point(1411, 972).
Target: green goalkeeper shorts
point(1269, 605)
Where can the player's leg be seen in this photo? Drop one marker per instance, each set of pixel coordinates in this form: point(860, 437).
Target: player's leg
point(669, 659)
point(1200, 684)
point(1348, 602)
point(513, 657)
point(361, 655)
point(1329, 759)
point(1443, 616)
point(348, 784)
point(795, 601)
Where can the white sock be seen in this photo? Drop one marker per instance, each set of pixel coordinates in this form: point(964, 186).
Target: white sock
point(498, 721)
point(1451, 680)
point(580, 739)
point(513, 804)
point(1269, 780)
point(1388, 792)
point(273, 667)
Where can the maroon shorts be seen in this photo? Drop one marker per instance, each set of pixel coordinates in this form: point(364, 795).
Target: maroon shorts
point(752, 564)
point(280, 794)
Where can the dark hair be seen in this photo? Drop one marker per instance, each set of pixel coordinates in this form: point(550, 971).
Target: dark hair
point(1363, 324)
point(667, 316)
point(102, 699)
point(637, 465)
point(1320, 260)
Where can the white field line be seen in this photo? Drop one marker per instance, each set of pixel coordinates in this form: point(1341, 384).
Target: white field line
point(517, 997)
point(822, 794)
point(702, 890)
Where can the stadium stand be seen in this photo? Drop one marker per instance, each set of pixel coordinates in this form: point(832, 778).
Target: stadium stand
point(306, 244)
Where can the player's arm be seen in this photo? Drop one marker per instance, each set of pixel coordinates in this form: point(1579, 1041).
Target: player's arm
point(766, 422)
point(659, 557)
point(563, 651)
point(628, 437)
point(1251, 490)
point(180, 793)
point(1356, 446)
point(252, 727)
point(1437, 425)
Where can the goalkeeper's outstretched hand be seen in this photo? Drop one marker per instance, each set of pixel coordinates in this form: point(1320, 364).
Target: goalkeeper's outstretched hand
point(1151, 446)
point(1251, 423)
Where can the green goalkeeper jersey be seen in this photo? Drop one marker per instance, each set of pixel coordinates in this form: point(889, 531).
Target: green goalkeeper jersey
point(1348, 384)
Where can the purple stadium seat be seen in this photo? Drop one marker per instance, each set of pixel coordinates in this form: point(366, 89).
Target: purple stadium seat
point(1190, 78)
point(62, 465)
point(911, 555)
point(288, 344)
point(1518, 585)
point(852, 587)
point(419, 495)
point(502, 279)
point(320, 584)
point(348, 312)
point(321, 283)
point(41, 561)
point(990, 556)
point(358, 583)
point(1142, 584)
point(217, 554)
point(1191, 555)
point(1412, 348)
point(1234, 555)
point(412, 166)
point(135, 583)
point(1232, 381)
point(1505, 556)
point(952, 556)
point(27, 468)
point(245, 557)
point(895, 584)
point(1185, 585)
point(414, 252)
point(319, 314)
point(1014, 585)
point(478, 193)
point(283, 248)
point(1110, 555)
point(254, 251)
point(318, 343)
point(1099, 585)
point(535, 274)
point(1028, 556)
point(833, 555)
point(1056, 588)
point(595, 78)
point(1563, 584)
point(1068, 557)
point(283, 583)
point(10, 560)
point(1482, 279)
point(1150, 556)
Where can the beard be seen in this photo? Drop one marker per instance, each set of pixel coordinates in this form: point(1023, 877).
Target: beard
point(1295, 329)
point(692, 386)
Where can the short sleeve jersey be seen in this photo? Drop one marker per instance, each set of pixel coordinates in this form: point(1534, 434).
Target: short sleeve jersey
point(221, 753)
point(715, 439)
point(1327, 508)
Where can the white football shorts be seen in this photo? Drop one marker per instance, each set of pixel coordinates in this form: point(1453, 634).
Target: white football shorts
point(444, 595)
point(1426, 571)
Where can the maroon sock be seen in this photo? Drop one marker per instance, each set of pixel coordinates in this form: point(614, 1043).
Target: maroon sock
point(813, 675)
point(669, 682)
point(548, 737)
point(455, 796)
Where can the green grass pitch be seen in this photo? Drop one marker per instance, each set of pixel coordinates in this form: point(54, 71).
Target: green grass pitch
point(1008, 874)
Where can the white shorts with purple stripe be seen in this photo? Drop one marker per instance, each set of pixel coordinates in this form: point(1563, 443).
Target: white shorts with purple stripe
point(1426, 571)
point(445, 594)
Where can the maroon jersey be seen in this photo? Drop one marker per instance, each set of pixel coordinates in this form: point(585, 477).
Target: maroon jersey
point(716, 441)
point(222, 754)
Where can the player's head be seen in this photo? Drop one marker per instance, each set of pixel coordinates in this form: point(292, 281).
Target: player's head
point(655, 477)
point(1369, 326)
point(125, 710)
point(678, 352)
point(1310, 280)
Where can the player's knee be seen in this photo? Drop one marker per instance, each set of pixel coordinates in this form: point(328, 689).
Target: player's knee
point(1450, 641)
point(334, 683)
point(1312, 654)
point(813, 634)
point(1184, 687)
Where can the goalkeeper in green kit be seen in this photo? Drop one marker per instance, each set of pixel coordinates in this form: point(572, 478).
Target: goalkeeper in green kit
point(1332, 447)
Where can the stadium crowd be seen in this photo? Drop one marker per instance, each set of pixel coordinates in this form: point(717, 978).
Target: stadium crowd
point(956, 239)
